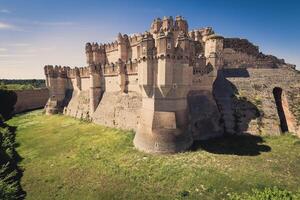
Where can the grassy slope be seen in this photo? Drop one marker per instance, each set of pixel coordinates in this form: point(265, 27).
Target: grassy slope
point(64, 158)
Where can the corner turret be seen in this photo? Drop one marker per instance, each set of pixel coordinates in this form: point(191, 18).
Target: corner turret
point(165, 43)
point(122, 41)
point(167, 24)
point(89, 53)
point(214, 50)
point(156, 26)
point(181, 24)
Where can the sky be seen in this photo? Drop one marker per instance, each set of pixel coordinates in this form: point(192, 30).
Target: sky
point(34, 33)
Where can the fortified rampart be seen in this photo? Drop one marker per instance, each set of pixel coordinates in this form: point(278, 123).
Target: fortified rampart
point(168, 84)
point(259, 101)
point(31, 99)
point(240, 53)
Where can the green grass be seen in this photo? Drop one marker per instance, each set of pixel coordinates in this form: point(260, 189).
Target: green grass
point(64, 158)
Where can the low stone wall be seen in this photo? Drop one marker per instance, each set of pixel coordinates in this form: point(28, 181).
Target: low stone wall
point(31, 99)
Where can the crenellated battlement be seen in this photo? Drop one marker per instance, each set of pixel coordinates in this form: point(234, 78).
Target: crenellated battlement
point(201, 34)
point(135, 39)
point(56, 71)
point(68, 72)
point(113, 46)
point(168, 24)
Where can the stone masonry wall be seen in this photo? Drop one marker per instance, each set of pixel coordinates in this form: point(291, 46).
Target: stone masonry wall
point(242, 53)
point(248, 105)
point(119, 110)
point(241, 45)
point(31, 99)
point(78, 105)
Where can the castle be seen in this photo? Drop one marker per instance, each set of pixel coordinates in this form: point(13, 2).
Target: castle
point(173, 86)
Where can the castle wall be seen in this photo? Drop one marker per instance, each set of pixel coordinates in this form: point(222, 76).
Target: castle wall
point(78, 106)
point(119, 110)
point(57, 87)
point(240, 59)
point(242, 53)
point(241, 45)
point(133, 83)
point(237, 59)
point(248, 104)
point(134, 52)
point(85, 83)
point(73, 83)
point(112, 83)
point(112, 56)
point(30, 99)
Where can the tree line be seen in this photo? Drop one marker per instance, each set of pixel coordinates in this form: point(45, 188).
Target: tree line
point(21, 84)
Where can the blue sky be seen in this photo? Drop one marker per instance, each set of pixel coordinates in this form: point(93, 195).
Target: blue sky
point(34, 33)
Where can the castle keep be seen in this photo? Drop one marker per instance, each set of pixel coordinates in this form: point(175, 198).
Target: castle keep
point(172, 86)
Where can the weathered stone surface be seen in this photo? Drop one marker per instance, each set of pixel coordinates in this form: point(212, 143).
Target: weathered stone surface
point(119, 110)
point(30, 99)
point(251, 107)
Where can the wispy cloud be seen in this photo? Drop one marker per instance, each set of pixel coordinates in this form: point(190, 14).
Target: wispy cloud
point(9, 27)
point(11, 62)
point(62, 23)
point(19, 44)
point(5, 11)
point(3, 49)
point(6, 26)
point(16, 55)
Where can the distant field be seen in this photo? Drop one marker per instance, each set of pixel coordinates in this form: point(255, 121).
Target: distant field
point(64, 158)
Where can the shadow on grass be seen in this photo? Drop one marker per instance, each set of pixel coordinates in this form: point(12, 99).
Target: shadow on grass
point(242, 145)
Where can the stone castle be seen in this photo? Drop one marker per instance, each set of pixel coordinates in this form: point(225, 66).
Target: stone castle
point(173, 86)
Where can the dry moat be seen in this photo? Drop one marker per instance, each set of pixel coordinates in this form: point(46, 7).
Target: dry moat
point(64, 158)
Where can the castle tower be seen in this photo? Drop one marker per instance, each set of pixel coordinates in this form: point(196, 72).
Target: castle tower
point(167, 23)
point(146, 66)
point(165, 50)
point(156, 26)
point(95, 91)
point(122, 76)
point(122, 47)
point(77, 79)
point(165, 83)
point(183, 43)
point(181, 24)
point(57, 83)
point(214, 51)
point(89, 53)
point(96, 54)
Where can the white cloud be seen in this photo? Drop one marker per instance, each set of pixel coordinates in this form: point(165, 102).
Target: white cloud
point(5, 11)
point(3, 49)
point(6, 26)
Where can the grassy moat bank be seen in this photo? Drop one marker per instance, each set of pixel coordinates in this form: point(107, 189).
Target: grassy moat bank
point(64, 158)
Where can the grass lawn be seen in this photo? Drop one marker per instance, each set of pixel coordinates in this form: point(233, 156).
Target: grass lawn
point(64, 158)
